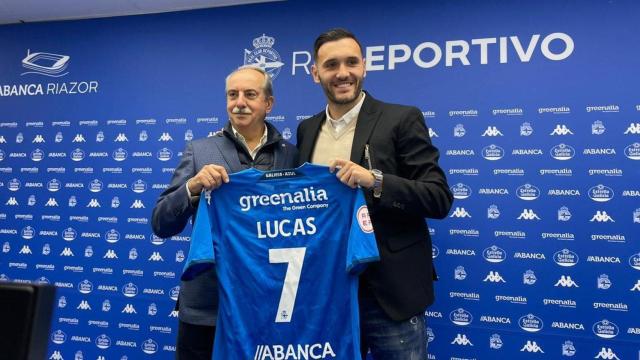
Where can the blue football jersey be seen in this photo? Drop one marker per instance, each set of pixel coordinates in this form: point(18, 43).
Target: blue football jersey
point(288, 246)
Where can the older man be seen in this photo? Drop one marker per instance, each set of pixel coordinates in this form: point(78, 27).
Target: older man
point(384, 148)
point(246, 141)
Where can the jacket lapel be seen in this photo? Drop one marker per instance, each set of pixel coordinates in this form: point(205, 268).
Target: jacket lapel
point(230, 154)
point(367, 120)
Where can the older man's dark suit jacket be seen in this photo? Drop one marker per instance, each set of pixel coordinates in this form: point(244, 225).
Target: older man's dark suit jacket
point(414, 188)
point(198, 301)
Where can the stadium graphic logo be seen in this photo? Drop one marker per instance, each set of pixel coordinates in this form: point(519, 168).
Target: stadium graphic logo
point(605, 329)
point(566, 258)
point(264, 56)
point(43, 63)
point(492, 152)
point(530, 323)
point(461, 317)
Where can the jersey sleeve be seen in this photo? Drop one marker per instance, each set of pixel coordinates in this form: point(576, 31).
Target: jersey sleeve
point(201, 254)
point(361, 247)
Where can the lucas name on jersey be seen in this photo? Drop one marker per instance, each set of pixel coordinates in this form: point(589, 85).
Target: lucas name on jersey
point(285, 228)
point(294, 352)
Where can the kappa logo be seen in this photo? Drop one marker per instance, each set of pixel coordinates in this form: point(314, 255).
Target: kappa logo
point(26, 250)
point(636, 287)
point(432, 133)
point(121, 138)
point(93, 203)
point(461, 339)
point(460, 212)
point(561, 130)
point(494, 276)
point(526, 129)
point(165, 137)
point(155, 256)
point(492, 131)
point(79, 138)
point(44, 63)
point(528, 214)
point(173, 314)
point(84, 305)
point(607, 353)
point(51, 202)
point(12, 201)
point(129, 309)
point(602, 216)
point(110, 254)
point(66, 252)
point(56, 356)
point(264, 56)
point(137, 204)
point(38, 139)
point(566, 281)
point(532, 346)
point(633, 129)
point(2, 140)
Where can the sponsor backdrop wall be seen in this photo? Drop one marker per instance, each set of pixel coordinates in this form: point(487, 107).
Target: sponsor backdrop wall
point(534, 106)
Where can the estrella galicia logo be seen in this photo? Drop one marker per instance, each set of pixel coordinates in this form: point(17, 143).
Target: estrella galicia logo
point(129, 290)
point(492, 152)
point(566, 258)
point(632, 151)
point(47, 64)
point(264, 56)
point(461, 191)
point(42, 280)
point(69, 234)
point(119, 154)
point(601, 193)
point(528, 192)
point(494, 254)
point(562, 152)
point(14, 184)
point(58, 337)
point(37, 155)
point(634, 261)
point(77, 155)
point(28, 233)
point(2, 155)
point(96, 185)
point(605, 329)
point(54, 185)
point(149, 346)
point(139, 186)
point(434, 251)
point(103, 342)
point(461, 317)
point(530, 323)
point(85, 287)
point(164, 154)
point(112, 236)
point(156, 240)
point(174, 292)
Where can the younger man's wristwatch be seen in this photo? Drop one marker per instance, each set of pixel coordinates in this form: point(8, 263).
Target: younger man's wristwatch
point(377, 183)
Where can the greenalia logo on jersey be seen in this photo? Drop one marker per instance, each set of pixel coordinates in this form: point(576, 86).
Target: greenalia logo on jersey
point(294, 352)
point(306, 195)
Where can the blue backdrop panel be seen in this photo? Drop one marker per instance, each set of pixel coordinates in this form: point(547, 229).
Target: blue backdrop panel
point(533, 105)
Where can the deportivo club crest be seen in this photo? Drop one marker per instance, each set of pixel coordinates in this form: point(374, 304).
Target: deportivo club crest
point(264, 56)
